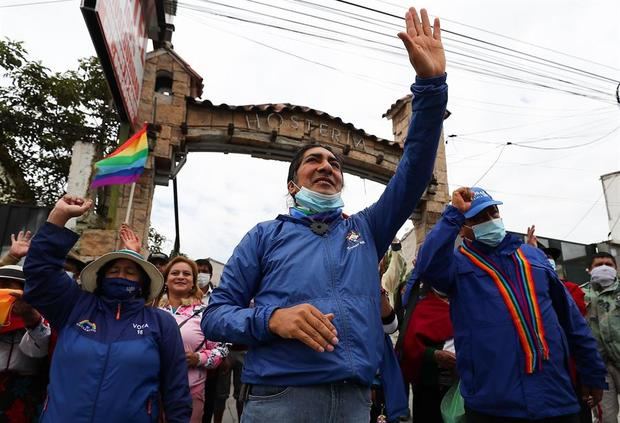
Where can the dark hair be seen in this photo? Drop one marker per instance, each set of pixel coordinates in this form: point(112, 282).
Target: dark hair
point(144, 279)
point(205, 262)
point(602, 254)
point(299, 155)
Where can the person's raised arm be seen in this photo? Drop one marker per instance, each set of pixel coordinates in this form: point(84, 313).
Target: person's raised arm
point(430, 96)
point(48, 288)
point(436, 263)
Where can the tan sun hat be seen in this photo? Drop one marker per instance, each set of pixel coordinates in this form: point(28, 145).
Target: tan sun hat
point(88, 276)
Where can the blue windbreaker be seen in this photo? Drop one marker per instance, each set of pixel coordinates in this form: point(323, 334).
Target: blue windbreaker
point(103, 369)
point(490, 360)
point(282, 263)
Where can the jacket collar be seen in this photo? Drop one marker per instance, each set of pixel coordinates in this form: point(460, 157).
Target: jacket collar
point(326, 217)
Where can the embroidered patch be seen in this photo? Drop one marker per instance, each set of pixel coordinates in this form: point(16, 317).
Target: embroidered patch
point(87, 326)
point(354, 239)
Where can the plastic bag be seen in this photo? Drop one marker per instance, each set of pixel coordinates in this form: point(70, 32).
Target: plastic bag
point(453, 406)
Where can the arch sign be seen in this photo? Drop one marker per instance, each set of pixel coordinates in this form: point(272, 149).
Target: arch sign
point(275, 131)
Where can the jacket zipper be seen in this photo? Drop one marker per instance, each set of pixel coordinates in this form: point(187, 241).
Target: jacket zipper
point(105, 366)
point(344, 336)
point(149, 408)
point(118, 311)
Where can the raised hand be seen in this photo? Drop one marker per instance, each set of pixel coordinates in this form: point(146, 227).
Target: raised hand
point(531, 236)
point(461, 199)
point(67, 207)
point(130, 240)
point(423, 44)
point(307, 324)
point(20, 244)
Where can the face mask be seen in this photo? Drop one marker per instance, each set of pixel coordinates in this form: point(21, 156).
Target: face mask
point(318, 202)
point(603, 275)
point(203, 279)
point(71, 275)
point(552, 263)
point(491, 232)
point(120, 289)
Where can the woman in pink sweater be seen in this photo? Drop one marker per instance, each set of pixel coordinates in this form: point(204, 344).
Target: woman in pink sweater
point(184, 302)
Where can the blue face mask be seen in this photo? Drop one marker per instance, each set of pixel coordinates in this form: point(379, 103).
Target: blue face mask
point(120, 289)
point(491, 232)
point(318, 202)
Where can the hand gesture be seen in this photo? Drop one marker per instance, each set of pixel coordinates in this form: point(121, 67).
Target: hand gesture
point(192, 359)
point(424, 45)
point(591, 396)
point(307, 324)
point(531, 236)
point(67, 207)
point(130, 240)
point(445, 359)
point(461, 199)
point(24, 310)
point(20, 244)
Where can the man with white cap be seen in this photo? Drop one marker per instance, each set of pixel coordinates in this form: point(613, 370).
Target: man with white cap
point(514, 323)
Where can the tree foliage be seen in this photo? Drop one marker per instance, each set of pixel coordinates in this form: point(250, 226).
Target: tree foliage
point(156, 241)
point(42, 114)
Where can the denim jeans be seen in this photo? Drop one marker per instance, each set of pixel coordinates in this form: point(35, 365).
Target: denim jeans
point(331, 403)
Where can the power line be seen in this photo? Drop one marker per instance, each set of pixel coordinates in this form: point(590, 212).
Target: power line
point(34, 3)
point(515, 39)
point(490, 167)
point(393, 51)
point(584, 216)
point(483, 42)
point(570, 146)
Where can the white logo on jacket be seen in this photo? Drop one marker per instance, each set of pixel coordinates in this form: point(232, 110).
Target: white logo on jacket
point(140, 328)
point(354, 239)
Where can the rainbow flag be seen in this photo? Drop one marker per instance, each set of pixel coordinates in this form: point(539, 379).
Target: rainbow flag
point(125, 164)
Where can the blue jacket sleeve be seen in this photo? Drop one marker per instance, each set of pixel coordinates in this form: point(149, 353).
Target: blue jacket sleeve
point(174, 385)
point(415, 169)
point(582, 345)
point(228, 317)
point(436, 263)
point(48, 288)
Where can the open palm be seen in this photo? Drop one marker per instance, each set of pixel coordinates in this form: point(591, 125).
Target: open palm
point(423, 44)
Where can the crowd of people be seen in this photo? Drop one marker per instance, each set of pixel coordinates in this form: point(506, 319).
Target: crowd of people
point(307, 310)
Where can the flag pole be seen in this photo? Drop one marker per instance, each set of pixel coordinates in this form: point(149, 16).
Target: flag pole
point(133, 188)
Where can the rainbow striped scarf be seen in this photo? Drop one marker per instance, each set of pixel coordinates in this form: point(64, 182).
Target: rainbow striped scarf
point(521, 302)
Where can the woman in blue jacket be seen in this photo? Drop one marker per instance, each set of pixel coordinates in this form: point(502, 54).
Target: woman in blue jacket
point(115, 359)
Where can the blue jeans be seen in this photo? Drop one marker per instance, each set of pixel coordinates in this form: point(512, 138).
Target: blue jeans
point(331, 403)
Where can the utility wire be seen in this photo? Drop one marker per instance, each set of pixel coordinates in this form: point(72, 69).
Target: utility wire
point(34, 3)
point(392, 47)
point(490, 167)
point(483, 41)
point(584, 216)
point(570, 147)
point(477, 28)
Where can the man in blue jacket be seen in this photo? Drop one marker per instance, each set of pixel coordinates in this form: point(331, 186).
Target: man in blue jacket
point(514, 323)
point(315, 334)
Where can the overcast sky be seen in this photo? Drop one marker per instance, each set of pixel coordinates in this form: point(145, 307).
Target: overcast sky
point(223, 196)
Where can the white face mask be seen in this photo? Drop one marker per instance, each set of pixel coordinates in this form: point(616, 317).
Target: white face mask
point(203, 279)
point(603, 275)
